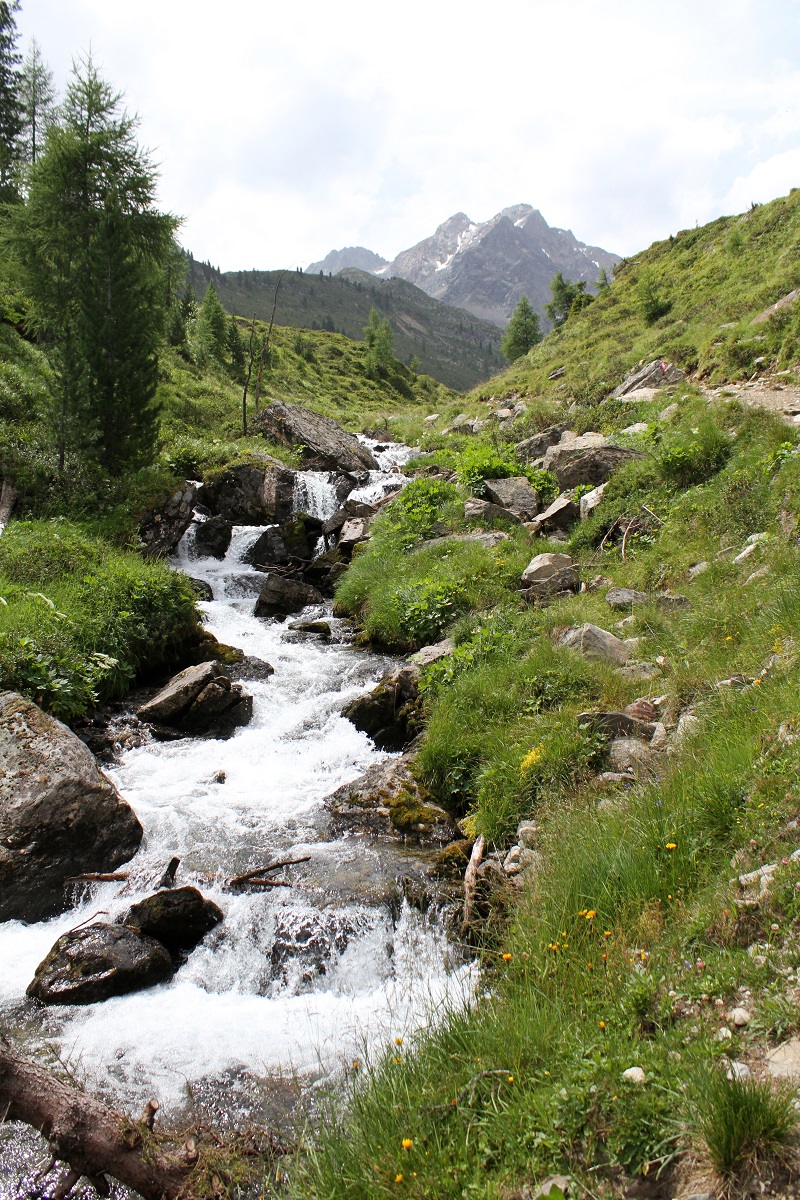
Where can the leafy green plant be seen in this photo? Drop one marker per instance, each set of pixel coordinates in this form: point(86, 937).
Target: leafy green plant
point(691, 458)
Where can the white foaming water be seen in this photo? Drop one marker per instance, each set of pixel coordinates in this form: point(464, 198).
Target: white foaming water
point(294, 980)
point(315, 494)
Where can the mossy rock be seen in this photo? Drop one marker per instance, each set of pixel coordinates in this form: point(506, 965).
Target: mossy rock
point(411, 817)
point(452, 861)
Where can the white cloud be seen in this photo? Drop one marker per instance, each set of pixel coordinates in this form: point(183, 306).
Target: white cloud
point(773, 177)
point(283, 132)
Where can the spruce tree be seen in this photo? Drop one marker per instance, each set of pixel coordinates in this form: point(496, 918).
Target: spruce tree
point(522, 331)
point(37, 98)
point(380, 344)
point(93, 252)
point(10, 105)
point(211, 329)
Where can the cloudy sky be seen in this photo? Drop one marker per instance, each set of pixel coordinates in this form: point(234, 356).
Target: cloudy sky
point(284, 131)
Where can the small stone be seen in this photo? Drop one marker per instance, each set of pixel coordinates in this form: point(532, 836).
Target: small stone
point(745, 554)
point(511, 863)
point(739, 1072)
point(590, 500)
point(552, 1186)
point(660, 737)
point(697, 569)
point(754, 538)
point(622, 598)
point(527, 834)
point(724, 1034)
point(740, 1017)
point(634, 1075)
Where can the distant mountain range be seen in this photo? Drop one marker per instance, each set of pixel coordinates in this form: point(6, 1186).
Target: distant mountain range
point(452, 345)
point(485, 268)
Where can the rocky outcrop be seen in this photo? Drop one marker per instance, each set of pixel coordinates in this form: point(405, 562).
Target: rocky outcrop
point(269, 548)
point(252, 493)
point(484, 510)
point(161, 529)
point(323, 445)
point(617, 725)
point(213, 537)
point(281, 596)
point(535, 447)
point(200, 699)
point(59, 815)
point(622, 599)
point(390, 713)
point(580, 462)
point(97, 962)
point(179, 918)
point(655, 374)
point(515, 495)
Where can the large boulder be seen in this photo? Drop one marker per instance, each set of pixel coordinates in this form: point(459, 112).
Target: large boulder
point(386, 801)
point(595, 644)
point(484, 510)
point(655, 374)
point(389, 714)
point(282, 596)
point(200, 699)
point(575, 464)
point(253, 492)
point(179, 918)
point(549, 575)
point(323, 445)
point(161, 529)
point(269, 548)
point(534, 447)
point(515, 495)
point(99, 961)
point(59, 815)
point(213, 537)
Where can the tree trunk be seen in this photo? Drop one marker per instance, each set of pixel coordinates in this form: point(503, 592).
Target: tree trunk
point(89, 1138)
point(8, 495)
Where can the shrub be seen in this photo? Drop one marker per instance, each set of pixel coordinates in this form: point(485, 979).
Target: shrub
point(689, 459)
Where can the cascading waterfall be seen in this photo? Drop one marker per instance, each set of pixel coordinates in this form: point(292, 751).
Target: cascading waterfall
point(294, 982)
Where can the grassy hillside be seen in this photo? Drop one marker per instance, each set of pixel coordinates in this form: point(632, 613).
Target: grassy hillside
point(450, 344)
point(631, 942)
point(690, 299)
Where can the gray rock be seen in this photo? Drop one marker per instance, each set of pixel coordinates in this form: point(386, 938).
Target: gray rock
point(162, 529)
point(624, 598)
point(174, 700)
point(544, 566)
point(590, 500)
point(354, 530)
point(634, 1075)
point(574, 465)
point(534, 447)
point(432, 654)
point(698, 569)
point(672, 601)
point(631, 757)
point(484, 510)
point(784, 1061)
point(563, 512)
point(654, 374)
point(390, 713)
point(669, 412)
point(595, 643)
point(637, 427)
point(252, 493)
point(516, 495)
point(251, 667)
point(323, 445)
point(660, 737)
point(640, 672)
point(202, 587)
point(179, 918)
point(528, 834)
point(199, 699)
point(688, 726)
point(268, 549)
point(280, 597)
point(617, 725)
point(322, 628)
point(59, 815)
point(99, 961)
point(551, 1187)
point(213, 537)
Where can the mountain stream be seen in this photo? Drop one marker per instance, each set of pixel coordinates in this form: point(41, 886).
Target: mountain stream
point(296, 982)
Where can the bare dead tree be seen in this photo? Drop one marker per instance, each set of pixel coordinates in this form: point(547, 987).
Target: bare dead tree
point(262, 358)
point(247, 377)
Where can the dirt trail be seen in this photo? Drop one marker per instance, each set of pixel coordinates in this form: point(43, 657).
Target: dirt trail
point(778, 393)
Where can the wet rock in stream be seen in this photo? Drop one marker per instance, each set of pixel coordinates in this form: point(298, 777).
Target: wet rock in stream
point(179, 918)
point(99, 961)
point(200, 699)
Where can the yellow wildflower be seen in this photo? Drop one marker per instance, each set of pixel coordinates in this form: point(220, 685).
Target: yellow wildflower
point(602, 1024)
point(398, 1178)
point(672, 845)
point(398, 1041)
point(530, 760)
point(511, 1079)
point(507, 957)
point(590, 914)
point(407, 1143)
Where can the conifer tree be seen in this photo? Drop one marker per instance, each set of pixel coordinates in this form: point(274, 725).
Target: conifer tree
point(37, 98)
point(380, 343)
point(10, 106)
point(93, 253)
point(211, 329)
point(236, 348)
point(522, 331)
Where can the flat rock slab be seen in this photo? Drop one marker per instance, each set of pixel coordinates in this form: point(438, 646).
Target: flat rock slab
point(59, 815)
point(179, 918)
point(476, 509)
point(784, 1061)
point(574, 467)
point(323, 445)
point(563, 512)
point(97, 962)
point(654, 374)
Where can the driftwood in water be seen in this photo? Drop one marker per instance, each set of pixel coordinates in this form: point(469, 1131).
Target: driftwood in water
point(89, 1138)
point(168, 878)
point(92, 1141)
point(252, 876)
point(471, 880)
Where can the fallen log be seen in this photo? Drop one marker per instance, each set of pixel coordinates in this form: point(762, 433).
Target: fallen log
point(92, 1141)
point(99, 877)
point(89, 1138)
point(471, 880)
